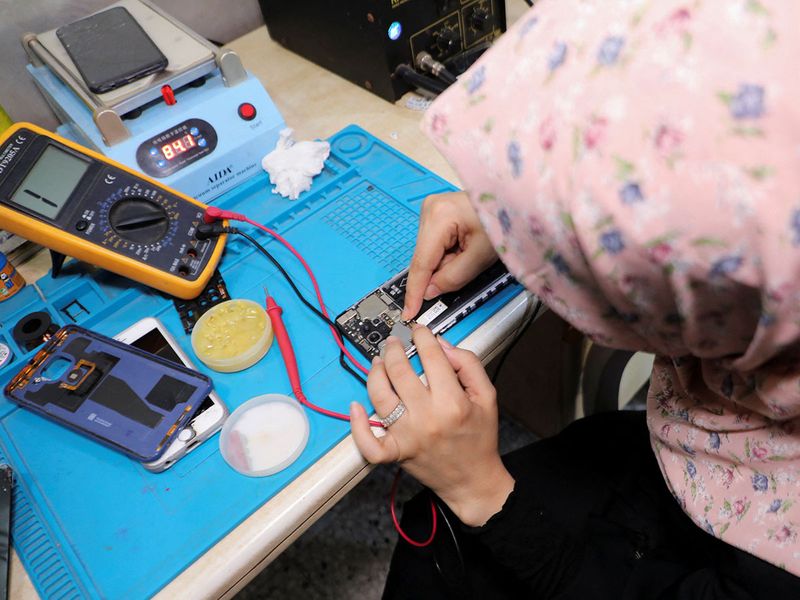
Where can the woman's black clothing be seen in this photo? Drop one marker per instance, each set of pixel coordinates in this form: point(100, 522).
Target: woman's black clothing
point(590, 517)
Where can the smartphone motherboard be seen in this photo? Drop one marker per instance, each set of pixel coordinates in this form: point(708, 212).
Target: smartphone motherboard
point(377, 316)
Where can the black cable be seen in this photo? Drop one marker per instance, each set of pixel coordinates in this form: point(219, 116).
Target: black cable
point(426, 63)
point(447, 77)
point(298, 293)
point(464, 60)
point(529, 2)
point(455, 544)
point(513, 344)
point(411, 77)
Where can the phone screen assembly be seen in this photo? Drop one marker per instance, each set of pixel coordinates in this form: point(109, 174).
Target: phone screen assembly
point(150, 335)
point(375, 317)
point(110, 49)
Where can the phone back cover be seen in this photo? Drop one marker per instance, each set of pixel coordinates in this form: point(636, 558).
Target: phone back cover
point(131, 400)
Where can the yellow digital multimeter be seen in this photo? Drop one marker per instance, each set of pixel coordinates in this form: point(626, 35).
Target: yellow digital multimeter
point(79, 203)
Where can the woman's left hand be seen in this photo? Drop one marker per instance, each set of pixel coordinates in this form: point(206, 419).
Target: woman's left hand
point(447, 437)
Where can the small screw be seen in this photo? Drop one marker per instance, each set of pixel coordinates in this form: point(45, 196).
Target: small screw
point(370, 17)
point(368, 84)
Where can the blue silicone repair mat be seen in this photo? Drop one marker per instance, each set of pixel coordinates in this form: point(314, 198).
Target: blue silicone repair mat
point(90, 522)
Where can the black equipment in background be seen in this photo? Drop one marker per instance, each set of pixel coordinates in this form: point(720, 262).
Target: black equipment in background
point(365, 41)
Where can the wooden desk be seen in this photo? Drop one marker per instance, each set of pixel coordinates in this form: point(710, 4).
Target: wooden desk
point(316, 104)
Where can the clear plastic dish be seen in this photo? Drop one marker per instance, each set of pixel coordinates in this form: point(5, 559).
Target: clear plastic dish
point(264, 435)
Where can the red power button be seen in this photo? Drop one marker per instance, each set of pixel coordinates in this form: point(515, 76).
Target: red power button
point(247, 111)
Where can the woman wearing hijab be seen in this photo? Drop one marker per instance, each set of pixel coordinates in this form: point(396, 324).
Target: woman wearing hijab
point(636, 164)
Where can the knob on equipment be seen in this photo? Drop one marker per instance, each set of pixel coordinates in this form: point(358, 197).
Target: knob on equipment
point(139, 220)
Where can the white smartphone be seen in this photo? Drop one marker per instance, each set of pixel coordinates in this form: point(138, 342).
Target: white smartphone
point(150, 335)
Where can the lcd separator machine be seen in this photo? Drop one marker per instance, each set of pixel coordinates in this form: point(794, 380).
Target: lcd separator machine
point(201, 126)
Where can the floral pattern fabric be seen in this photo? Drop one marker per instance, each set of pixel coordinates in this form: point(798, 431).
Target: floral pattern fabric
point(637, 164)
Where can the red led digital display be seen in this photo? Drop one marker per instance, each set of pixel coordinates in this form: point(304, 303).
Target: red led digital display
point(178, 147)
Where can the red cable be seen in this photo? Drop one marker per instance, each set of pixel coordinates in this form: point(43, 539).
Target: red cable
point(396, 522)
point(274, 311)
point(214, 214)
point(290, 361)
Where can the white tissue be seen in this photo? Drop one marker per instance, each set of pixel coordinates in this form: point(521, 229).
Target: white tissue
point(292, 165)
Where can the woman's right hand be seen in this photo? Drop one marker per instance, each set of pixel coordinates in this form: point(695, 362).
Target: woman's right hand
point(452, 249)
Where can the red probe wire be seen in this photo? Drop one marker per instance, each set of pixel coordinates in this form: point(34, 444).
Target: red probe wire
point(275, 313)
point(396, 521)
point(287, 351)
point(215, 214)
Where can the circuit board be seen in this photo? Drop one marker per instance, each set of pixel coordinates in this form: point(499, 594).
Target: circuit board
point(190, 311)
point(369, 322)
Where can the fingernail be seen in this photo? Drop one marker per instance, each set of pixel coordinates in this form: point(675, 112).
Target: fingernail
point(444, 342)
point(353, 407)
point(376, 361)
point(432, 291)
point(392, 340)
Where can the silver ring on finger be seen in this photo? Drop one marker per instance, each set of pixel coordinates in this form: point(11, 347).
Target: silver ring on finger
point(397, 412)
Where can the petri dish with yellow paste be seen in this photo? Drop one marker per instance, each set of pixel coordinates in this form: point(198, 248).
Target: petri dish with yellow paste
point(232, 336)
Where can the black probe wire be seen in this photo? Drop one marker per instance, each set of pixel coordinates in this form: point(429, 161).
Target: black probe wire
point(456, 545)
point(342, 361)
point(298, 293)
point(447, 77)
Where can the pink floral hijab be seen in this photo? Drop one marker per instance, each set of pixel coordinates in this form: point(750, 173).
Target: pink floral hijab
point(637, 165)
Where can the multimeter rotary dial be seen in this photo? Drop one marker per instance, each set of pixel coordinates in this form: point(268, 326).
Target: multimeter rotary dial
point(138, 218)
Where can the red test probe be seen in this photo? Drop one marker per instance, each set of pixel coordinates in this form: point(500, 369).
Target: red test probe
point(275, 313)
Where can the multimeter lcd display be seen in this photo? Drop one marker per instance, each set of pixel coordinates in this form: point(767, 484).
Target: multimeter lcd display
point(49, 183)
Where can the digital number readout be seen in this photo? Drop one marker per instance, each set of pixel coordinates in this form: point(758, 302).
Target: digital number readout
point(178, 147)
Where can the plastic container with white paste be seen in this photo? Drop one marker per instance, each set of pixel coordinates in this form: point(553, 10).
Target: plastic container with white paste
point(264, 435)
